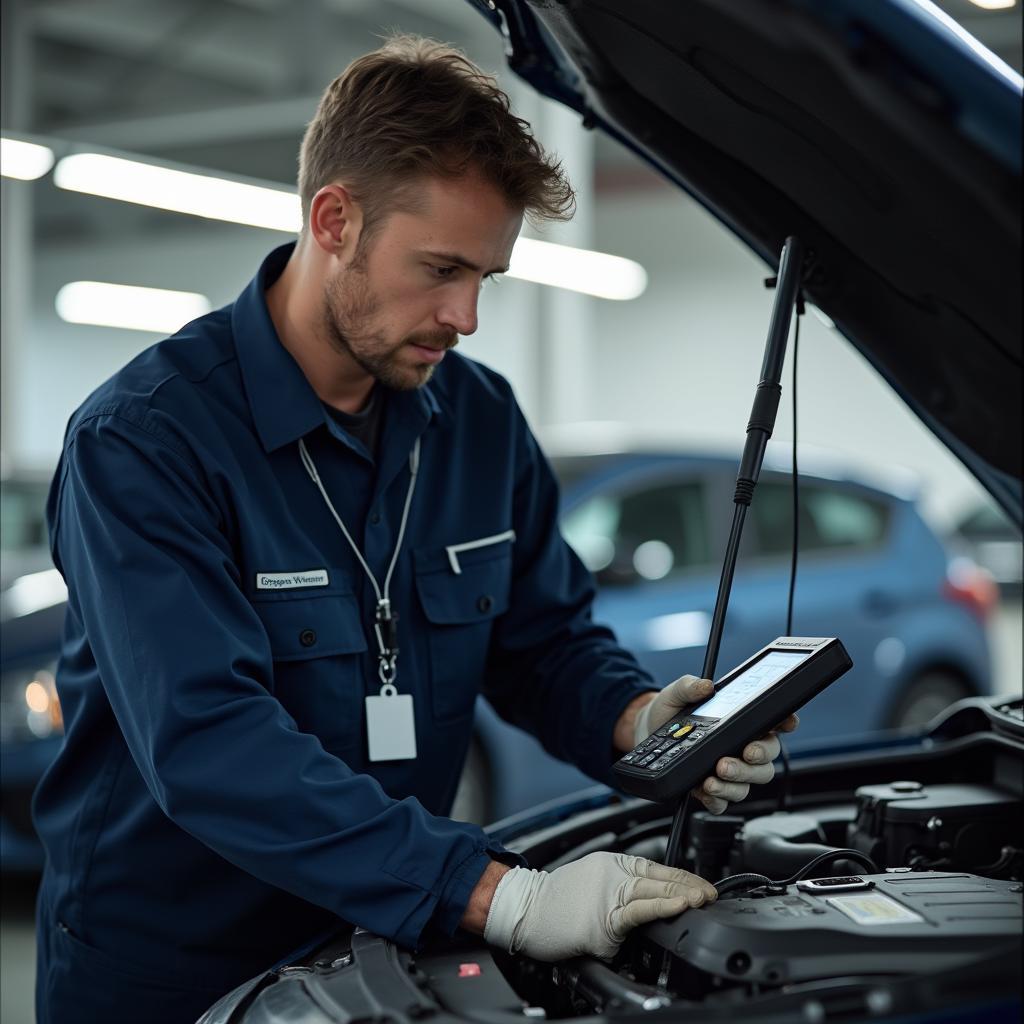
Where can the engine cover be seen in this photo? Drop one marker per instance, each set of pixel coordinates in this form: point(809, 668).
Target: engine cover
point(909, 922)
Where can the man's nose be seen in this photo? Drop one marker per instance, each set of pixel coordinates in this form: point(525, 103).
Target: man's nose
point(459, 311)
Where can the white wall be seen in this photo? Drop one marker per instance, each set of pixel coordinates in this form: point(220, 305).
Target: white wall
point(682, 361)
point(59, 363)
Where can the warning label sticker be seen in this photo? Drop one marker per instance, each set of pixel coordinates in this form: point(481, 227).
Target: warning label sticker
point(873, 908)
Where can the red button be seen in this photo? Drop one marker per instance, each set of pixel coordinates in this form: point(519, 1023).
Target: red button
point(469, 970)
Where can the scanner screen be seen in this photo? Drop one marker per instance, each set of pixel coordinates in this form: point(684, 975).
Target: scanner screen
point(760, 676)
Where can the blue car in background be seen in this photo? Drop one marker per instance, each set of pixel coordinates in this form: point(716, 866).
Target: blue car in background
point(32, 599)
point(652, 528)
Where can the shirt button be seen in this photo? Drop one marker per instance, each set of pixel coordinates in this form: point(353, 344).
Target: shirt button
point(485, 602)
point(307, 638)
point(375, 519)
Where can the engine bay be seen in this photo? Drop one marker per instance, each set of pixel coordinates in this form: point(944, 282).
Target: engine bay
point(936, 928)
point(943, 827)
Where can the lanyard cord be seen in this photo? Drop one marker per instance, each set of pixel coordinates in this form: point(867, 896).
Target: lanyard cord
point(388, 651)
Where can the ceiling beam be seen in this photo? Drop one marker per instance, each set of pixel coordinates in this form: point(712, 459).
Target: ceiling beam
point(252, 62)
point(263, 120)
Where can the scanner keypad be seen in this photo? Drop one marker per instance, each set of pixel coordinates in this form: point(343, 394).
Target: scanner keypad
point(664, 745)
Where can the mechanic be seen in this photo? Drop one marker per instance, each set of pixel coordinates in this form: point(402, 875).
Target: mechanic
point(300, 538)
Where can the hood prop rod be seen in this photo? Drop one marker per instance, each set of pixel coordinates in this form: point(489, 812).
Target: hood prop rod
point(759, 430)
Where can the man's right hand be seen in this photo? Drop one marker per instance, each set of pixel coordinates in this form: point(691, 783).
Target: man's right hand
point(588, 906)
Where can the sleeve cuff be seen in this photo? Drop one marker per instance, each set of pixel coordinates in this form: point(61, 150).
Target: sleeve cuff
point(455, 895)
point(607, 741)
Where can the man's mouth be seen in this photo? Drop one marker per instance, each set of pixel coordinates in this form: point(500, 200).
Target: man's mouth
point(431, 353)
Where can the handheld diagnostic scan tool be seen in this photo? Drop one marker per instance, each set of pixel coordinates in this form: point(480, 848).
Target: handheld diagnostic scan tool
point(747, 702)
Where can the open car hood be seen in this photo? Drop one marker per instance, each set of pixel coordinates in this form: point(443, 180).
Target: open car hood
point(882, 135)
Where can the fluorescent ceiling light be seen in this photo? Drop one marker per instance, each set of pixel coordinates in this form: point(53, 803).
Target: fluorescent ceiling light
point(181, 191)
point(994, 5)
point(121, 305)
point(32, 593)
point(579, 270)
point(24, 160)
point(561, 266)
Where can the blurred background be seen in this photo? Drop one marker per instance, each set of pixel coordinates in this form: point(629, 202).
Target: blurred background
point(223, 89)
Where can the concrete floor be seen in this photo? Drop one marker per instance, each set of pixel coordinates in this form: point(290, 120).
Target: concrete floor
point(17, 932)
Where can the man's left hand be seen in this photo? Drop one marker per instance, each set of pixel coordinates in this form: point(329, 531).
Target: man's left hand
point(733, 776)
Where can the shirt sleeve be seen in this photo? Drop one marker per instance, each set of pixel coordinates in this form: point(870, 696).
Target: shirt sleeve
point(552, 670)
point(187, 669)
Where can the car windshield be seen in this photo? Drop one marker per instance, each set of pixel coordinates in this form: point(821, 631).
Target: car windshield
point(573, 469)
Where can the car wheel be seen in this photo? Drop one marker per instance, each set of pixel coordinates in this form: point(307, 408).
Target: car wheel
point(928, 694)
point(473, 797)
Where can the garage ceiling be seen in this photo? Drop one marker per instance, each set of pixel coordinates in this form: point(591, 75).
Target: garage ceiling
point(229, 84)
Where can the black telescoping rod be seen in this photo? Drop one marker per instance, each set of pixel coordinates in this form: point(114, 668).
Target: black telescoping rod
point(759, 430)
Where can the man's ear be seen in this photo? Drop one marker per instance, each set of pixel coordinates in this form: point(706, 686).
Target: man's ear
point(335, 221)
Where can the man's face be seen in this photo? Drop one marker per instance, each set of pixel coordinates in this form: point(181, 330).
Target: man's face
point(397, 307)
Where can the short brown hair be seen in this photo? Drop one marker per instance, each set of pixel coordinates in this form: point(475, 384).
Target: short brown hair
point(417, 108)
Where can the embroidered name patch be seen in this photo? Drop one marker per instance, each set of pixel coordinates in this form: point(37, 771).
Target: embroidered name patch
point(291, 580)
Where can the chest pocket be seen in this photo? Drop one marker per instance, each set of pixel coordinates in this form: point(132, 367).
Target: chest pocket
point(461, 608)
point(318, 646)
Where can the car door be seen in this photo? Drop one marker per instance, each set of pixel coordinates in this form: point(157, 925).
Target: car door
point(849, 585)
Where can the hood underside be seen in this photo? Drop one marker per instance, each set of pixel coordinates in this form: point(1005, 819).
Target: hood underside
point(873, 132)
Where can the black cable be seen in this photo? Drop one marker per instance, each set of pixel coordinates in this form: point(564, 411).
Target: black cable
point(784, 783)
point(748, 880)
point(796, 485)
point(1006, 857)
point(751, 880)
point(677, 834)
point(674, 859)
point(784, 787)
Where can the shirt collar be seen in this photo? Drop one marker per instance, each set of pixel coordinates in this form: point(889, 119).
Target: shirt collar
point(284, 405)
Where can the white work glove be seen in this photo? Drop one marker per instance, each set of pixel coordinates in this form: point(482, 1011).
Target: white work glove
point(733, 777)
point(588, 906)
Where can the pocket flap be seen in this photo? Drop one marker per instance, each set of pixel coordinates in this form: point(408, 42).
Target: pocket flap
point(477, 594)
point(312, 627)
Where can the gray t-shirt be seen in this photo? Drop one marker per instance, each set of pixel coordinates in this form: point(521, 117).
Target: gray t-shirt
point(365, 425)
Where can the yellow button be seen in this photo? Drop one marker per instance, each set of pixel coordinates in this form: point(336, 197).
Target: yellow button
point(682, 732)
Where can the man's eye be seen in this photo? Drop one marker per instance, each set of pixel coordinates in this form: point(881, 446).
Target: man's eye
point(442, 272)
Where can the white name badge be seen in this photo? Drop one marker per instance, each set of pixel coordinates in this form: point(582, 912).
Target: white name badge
point(390, 726)
point(291, 580)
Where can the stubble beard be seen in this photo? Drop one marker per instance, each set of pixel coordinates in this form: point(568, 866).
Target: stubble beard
point(348, 315)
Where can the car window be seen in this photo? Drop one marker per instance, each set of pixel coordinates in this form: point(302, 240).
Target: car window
point(643, 534)
point(830, 518)
point(22, 515)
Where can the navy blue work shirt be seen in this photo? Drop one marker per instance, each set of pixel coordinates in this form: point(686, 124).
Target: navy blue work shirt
point(213, 805)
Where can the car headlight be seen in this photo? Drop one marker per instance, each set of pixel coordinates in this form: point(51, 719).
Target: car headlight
point(29, 707)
